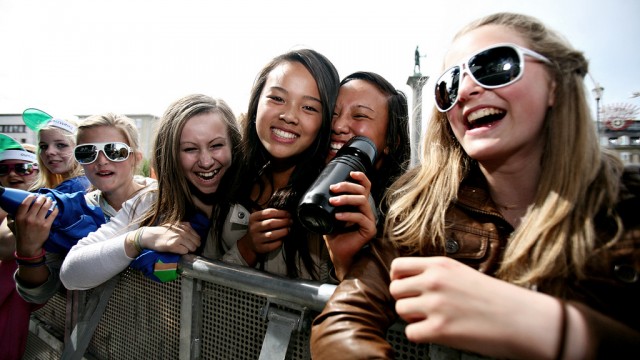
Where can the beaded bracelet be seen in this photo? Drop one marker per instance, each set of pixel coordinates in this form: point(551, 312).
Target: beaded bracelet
point(18, 257)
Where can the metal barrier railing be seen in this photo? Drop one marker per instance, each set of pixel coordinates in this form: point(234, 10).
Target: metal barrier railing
point(213, 311)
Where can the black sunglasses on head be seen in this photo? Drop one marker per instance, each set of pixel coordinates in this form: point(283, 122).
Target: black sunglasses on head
point(492, 68)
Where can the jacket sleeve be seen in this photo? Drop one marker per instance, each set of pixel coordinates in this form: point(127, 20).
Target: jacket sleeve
point(354, 322)
point(101, 255)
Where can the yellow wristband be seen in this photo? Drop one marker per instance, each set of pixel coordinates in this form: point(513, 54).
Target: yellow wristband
point(130, 239)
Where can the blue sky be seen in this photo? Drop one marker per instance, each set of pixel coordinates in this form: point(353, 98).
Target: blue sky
point(87, 57)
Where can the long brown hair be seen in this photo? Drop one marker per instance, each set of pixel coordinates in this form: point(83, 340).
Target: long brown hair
point(174, 201)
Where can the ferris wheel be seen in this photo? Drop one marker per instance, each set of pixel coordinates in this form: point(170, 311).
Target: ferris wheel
point(619, 116)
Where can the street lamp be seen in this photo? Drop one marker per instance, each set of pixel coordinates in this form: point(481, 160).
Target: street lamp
point(597, 94)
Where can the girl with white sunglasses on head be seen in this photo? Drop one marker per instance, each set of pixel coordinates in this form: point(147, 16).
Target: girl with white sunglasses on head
point(195, 159)
point(108, 151)
point(517, 236)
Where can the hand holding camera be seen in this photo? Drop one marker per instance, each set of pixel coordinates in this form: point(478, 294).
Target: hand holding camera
point(315, 211)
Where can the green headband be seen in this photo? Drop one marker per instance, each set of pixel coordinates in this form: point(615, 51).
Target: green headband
point(36, 119)
point(12, 150)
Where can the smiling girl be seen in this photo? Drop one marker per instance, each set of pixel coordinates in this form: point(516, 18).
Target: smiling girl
point(195, 161)
point(18, 170)
point(108, 152)
point(517, 236)
point(285, 143)
point(56, 140)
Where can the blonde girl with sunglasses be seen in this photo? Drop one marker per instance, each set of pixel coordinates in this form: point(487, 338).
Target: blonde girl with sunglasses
point(517, 237)
point(18, 170)
point(195, 152)
point(108, 153)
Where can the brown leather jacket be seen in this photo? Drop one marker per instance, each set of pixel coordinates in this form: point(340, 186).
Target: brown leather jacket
point(354, 321)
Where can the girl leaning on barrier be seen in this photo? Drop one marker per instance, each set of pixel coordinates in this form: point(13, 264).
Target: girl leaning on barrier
point(285, 143)
point(37, 274)
point(18, 170)
point(109, 156)
point(194, 160)
point(517, 236)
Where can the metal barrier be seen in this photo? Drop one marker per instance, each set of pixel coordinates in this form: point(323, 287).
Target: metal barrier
point(213, 311)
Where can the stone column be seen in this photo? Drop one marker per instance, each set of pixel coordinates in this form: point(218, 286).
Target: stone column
point(416, 82)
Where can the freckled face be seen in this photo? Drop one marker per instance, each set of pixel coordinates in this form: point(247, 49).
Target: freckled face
point(516, 111)
point(289, 113)
point(361, 110)
point(55, 151)
point(205, 151)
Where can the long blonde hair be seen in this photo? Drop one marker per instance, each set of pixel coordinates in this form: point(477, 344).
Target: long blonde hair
point(47, 179)
point(577, 180)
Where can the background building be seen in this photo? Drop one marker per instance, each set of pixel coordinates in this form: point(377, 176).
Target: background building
point(619, 130)
point(12, 125)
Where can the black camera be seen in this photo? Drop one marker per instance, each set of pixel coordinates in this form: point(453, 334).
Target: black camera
point(314, 210)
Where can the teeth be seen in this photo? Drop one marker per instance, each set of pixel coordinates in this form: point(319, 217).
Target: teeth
point(336, 145)
point(482, 113)
point(284, 134)
point(209, 174)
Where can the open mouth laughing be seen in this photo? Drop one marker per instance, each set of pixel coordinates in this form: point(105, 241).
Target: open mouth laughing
point(207, 176)
point(484, 117)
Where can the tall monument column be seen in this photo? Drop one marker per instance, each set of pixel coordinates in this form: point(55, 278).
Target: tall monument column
point(417, 82)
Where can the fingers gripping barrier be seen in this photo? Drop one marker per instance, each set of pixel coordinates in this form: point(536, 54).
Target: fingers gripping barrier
point(213, 311)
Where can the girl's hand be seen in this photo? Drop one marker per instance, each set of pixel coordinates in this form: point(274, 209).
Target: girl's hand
point(177, 238)
point(450, 303)
point(266, 230)
point(32, 225)
point(343, 246)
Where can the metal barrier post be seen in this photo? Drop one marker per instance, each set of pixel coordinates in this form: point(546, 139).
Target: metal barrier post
point(276, 340)
point(88, 320)
point(190, 319)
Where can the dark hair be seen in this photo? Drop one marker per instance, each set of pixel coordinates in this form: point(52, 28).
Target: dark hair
point(398, 139)
point(257, 160)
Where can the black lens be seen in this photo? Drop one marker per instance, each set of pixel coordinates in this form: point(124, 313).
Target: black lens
point(20, 169)
point(495, 67)
point(23, 169)
point(447, 88)
point(116, 151)
point(86, 154)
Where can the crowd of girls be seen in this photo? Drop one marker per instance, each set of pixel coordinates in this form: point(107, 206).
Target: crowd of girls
point(514, 237)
